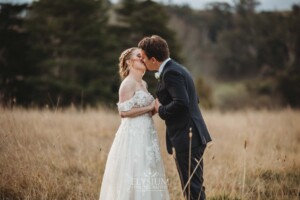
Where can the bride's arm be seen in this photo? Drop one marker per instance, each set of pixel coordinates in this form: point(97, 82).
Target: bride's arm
point(133, 112)
point(126, 92)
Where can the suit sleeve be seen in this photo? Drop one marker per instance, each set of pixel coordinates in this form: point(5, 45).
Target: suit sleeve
point(175, 84)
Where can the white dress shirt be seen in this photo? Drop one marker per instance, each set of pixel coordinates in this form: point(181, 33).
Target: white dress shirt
point(161, 67)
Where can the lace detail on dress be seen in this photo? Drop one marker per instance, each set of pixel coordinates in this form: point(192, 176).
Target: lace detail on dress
point(153, 151)
point(139, 99)
point(126, 105)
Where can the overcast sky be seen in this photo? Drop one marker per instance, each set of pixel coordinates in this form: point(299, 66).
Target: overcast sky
point(200, 4)
point(265, 4)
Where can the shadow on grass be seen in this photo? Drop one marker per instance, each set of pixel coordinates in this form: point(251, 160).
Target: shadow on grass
point(9, 194)
point(279, 185)
point(223, 197)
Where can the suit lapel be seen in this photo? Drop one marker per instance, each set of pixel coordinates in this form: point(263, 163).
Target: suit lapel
point(161, 82)
point(158, 87)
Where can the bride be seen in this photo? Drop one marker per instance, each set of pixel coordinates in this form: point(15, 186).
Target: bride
point(134, 168)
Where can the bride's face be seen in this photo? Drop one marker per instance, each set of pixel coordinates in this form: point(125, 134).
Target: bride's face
point(136, 61)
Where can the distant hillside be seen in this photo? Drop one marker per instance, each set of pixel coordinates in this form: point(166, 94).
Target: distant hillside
point(193, 40)
point(248, 58)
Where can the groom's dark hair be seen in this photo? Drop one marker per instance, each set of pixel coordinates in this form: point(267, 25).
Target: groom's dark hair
point(155, 46)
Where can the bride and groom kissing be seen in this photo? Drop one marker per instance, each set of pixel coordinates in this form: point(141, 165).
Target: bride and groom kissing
point(134, 168)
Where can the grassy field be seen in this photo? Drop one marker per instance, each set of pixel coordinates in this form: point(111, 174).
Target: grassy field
point(59, 154)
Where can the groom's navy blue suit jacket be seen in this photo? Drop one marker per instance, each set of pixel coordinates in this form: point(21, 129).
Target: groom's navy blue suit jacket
point(180, 110)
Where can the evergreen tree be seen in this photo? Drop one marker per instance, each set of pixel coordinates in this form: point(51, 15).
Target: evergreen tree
point(72, 36)
point(152, 19)
point(17, 65)
point(246, 7)
point(122, 30)
point(144, 18)
point(237, 55)
point(138, 19)
point(289, 79)
point(220, 20)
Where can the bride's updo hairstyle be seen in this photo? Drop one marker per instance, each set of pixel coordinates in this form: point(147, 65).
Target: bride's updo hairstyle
point(123, 66)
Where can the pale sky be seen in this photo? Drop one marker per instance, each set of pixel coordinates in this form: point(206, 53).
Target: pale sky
point(200, 4)
point(265, 4)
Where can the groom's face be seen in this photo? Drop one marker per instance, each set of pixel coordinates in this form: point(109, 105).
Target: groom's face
point(150, 64)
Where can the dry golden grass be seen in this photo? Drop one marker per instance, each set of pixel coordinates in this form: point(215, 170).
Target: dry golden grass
point(62, 155)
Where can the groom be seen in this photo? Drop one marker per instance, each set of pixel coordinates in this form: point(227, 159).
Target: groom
point(177, 104)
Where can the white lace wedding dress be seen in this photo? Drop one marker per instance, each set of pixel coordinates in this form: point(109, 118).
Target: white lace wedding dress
point(134, 168)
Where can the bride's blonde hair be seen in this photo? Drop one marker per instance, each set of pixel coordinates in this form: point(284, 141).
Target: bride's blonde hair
point(123, 65)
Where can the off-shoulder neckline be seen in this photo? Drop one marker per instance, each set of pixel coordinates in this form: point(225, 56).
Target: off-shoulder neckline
point(135, 92)
point(140, 90)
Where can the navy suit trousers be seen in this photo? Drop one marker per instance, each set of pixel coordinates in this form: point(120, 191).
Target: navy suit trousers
point(197, 188)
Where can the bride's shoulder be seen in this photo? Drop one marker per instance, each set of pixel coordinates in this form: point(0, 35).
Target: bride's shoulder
point(127, 84)
point(127, 89)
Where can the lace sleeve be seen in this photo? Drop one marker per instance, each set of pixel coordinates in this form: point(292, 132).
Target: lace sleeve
point(125, 106)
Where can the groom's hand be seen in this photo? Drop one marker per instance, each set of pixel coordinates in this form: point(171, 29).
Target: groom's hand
point(156, 106)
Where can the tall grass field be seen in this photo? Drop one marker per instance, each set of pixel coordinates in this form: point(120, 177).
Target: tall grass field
point(61, 154)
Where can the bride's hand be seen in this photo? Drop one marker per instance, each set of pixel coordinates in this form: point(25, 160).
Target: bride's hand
point(152, 105)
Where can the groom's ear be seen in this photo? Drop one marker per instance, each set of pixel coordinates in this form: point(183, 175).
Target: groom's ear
point(153, 60)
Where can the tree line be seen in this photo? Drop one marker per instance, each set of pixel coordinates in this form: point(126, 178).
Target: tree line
point(56, 52)
point(260, 49)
